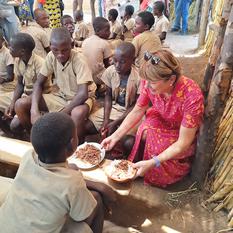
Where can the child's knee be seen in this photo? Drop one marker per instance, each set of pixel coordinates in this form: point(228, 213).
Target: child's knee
point(22, 105)
point(80, 113)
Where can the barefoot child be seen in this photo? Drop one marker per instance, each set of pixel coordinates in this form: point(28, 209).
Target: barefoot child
point(161, 24)
point(6, 67)
point(47, 195)
point(72, 77)
point(122, 83)
point(81, 31)
point(26, 68)
point(97, 49)
point(145, 40)
point(128, 24)
point(40, 32)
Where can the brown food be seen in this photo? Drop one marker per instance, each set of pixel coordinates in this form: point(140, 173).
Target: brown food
point(89, 154)
point(123, 165)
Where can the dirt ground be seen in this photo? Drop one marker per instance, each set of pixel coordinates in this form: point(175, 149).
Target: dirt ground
point(164, 215)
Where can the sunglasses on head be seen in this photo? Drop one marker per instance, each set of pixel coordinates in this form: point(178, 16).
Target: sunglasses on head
point(154, 59)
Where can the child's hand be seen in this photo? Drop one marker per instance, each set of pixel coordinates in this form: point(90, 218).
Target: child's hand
point(9, 112)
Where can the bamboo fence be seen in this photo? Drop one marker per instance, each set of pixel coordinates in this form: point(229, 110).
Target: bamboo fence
point(221, 172)
point(216, 14)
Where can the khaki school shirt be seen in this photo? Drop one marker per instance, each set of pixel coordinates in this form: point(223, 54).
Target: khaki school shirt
point(96, 49)
point(161, 25)
point(41, 37)
point(128, 35)
point(146, 41)
point(81, 30)
point(111, 79)
point(5, 60)
point(30, 72)
point(116, 28)
point(41, 197)
point(69, 76)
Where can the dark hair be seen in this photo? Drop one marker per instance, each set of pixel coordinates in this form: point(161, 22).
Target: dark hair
point(147, 18)
point(65, 17)
point(98, 23)
point(23, 41)
point(160, 6)
point(60, 34)
point(78, 13)
point(113, 13)
point(37, 12)
point(50, 134)
point(129, 10)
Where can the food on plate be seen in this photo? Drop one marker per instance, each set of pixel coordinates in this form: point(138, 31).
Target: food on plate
point(89, 154)
point(120, 170)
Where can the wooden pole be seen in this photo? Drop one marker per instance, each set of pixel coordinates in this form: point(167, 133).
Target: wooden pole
point(197, 13)
point(204, 22)
point(217, 97)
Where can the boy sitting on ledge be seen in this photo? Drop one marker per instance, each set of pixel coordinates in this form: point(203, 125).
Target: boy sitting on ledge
point(47, 195)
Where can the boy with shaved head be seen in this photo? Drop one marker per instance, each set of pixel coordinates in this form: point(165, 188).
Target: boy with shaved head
point(40, 32)
point(122, 89)
point(74, 82)
point(47, 194)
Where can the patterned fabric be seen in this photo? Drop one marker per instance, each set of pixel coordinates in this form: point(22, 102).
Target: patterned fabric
point(54, 11)
point(162, 124)
point(24, 11)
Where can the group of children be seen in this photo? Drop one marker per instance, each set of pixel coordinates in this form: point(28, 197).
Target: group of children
point(53, 76)
point(65, 79)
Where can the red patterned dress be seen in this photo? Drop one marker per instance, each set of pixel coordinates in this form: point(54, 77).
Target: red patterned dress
point(162, 124)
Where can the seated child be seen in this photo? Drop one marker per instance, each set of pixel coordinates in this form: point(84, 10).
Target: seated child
point(122, 83)
point(81, 30)
point(97, 49)
point(161, 24)
point(26, 68)
point(145, 40)
point(73, 79)
point(40, 32)
point(47, 195)
point(115, 28)
point(128, 24)
point(68, 22)
point(6, 67)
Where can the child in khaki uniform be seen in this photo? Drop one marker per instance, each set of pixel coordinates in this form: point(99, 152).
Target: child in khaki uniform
point(81, 30)
point(47, 194)
point(115, 28)
point(97, 49)
point(26, 68)
point(122, 89)
point(161, 25)
point(75, 88)
point(6, 68)
point(128, 24)
point(40, 32)
point(145, 40)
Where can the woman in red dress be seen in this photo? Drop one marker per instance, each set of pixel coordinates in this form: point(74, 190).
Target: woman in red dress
point(166, 138)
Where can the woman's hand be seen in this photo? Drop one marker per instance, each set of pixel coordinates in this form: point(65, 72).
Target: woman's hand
point(109, 142)
point(143, 166)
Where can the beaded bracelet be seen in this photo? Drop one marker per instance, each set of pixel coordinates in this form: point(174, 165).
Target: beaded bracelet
point(157, 161)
